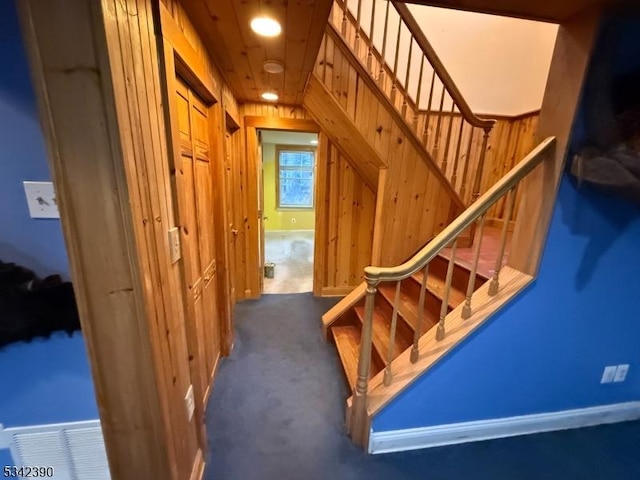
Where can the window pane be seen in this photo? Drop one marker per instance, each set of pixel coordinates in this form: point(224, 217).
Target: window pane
point(296, 192)
point(296, 178)
point(296, 159)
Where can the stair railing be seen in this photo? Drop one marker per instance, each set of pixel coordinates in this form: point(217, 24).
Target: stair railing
point(390, 44)
point(476, 213)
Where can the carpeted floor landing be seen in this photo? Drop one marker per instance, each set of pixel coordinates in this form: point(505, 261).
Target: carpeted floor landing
point(277, 413)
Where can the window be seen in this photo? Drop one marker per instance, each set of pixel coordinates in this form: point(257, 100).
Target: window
point(295, 167)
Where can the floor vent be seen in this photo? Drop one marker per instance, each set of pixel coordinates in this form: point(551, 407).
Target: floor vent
point(74, 450)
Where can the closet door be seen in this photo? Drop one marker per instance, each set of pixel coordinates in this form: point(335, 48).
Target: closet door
point(197, 226)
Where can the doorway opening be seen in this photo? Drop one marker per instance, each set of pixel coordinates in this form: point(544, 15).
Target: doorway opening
point(288, 211)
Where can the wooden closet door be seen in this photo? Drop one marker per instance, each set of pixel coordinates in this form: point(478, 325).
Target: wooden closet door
point(197, 226)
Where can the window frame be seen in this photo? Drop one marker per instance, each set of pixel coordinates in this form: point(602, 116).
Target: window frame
point(295, 148)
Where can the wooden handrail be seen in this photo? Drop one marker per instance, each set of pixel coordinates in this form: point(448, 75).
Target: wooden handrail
point(375, 275)
point(441, 71)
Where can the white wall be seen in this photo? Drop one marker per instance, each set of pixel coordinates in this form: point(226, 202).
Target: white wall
point(500, 64)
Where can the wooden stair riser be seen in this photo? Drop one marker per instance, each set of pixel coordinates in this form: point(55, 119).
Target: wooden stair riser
point(347, 341)
point(461, 274)
point(407, 309)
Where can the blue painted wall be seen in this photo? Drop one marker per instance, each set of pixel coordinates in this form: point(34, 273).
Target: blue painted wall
point(37, 244)
point(546, 351)
point(46, 381)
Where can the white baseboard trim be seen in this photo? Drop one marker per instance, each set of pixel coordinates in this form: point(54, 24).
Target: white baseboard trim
point(425, 437)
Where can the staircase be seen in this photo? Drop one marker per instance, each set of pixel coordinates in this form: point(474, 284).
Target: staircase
point(419, 137)
point(346, 330)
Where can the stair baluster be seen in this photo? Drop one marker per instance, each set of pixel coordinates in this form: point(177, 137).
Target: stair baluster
point(359, 408)
point(444, 308)
point(465, 172)
point(445, 158)
point(471, 287)
point(456, 159)
point(416, 113)
point(417, 333)
point(494, 286)
point(371, 32)
point(383, 57)
point(388, 376)
point(425, 134)
point(394, 80)
point(358, 17)
point(406, 81)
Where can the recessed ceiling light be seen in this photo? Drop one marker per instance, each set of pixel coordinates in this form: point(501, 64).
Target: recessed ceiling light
point(269, 96)
point(265, 26)
point(313, 142)
point(273, 66)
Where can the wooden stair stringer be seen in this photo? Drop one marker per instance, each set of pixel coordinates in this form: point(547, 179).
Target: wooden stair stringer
point(512, 282)
point(342, 307)
point(342, 131)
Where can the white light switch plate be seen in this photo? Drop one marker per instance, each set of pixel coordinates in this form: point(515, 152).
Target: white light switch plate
point(608, 374)
point(621, 373)
point(41, 199)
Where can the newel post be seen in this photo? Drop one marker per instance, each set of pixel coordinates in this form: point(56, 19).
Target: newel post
point(359, 423)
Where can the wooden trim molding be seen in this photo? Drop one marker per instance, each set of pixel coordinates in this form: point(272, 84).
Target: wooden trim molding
point(114, 222)
point(279, 123)
point(569, 65)
point(464, 432)
point(292, 148)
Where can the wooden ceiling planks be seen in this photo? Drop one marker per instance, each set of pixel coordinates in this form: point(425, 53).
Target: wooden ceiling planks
point(240, 54)
point(543, 10)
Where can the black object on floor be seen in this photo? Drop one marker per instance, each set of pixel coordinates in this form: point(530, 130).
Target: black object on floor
point(277, 413)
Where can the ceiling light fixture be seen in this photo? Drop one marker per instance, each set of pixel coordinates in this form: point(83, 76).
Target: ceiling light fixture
point(266, 27)
point(273, 66)
point(269, 96)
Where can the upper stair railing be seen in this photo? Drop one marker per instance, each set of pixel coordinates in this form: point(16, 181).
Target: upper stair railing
point(476, 213)
point(388, 41)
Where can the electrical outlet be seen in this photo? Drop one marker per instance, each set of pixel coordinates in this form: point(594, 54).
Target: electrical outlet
point(174, 244)
point(608, 374)
point(189, 402)
point(41, 199)
point(621, 373)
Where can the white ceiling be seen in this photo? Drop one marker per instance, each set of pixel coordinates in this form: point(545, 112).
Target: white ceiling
point(288, 138)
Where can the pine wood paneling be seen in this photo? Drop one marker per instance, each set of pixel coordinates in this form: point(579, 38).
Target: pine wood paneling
point(344, 225)
point(417, 201)
point(240, 53)
point(100, 98)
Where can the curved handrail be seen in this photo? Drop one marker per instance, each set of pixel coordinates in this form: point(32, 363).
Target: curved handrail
point(443, 74)
point(375, 275)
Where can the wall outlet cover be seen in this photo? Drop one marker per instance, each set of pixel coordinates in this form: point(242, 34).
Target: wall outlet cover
point(41, 199)
point(189, 402)
point(174, 244)
point(608, 374)
point(621, 373)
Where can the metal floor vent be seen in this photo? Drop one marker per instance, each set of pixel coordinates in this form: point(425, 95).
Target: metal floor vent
point(74, 450)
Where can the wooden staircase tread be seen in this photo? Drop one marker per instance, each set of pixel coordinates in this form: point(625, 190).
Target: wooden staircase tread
point(437, 286)
point(460, 263)
point(381, 331)
point(408, 308)
point(347, 340)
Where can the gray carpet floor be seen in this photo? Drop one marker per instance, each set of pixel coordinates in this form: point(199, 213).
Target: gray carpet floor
point(277, 412)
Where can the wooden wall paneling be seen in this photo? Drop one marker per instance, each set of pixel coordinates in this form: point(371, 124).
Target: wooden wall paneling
point(250, 220)
point(569, 64)
point(322, 213)
point(225, 285)
point(125, 285)
point(132, 20)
